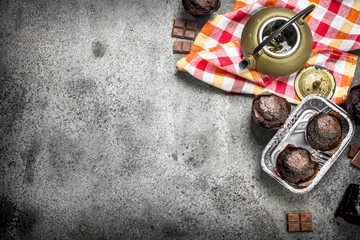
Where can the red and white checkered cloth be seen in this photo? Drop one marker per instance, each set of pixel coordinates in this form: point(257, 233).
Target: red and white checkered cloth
point(216, 53)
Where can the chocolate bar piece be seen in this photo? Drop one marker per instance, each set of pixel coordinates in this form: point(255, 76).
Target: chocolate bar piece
point(293, 226)
point(306, 226)
point(298, 222)
point(178, 28)
point(306, 217)
point(356, 160)
point(353, 150)
point(184, 29)
point(292, 217)
point(182, 47)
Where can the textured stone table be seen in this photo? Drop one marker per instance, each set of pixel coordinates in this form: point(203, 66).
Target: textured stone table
point(102, 138)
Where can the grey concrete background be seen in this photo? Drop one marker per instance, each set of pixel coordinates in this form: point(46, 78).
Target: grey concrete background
point(102, 138)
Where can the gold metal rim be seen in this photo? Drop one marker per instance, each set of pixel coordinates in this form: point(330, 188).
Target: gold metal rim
point(283, 55)
point(314, 79)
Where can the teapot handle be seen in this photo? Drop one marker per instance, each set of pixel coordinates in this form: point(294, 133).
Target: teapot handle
point(304, 12)
point(245, 62)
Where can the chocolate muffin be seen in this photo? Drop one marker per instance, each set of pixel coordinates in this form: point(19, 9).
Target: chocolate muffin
point(270, 111)
point(352, 103)
point(201, 7)
point(324, 131)
point(296, 165)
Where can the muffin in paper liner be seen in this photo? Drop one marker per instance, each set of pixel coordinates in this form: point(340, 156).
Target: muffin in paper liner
point(352, 103)
point(327, 139)
point(300, 172)
point(270, 114)
point(199, 8)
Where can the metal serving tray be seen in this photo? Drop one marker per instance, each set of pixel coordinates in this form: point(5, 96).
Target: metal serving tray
point(293, 133)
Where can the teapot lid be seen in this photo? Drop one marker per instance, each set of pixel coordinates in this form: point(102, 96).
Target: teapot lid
point(314, 79)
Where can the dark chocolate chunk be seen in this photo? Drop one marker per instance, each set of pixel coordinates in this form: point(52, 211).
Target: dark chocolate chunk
point(181, 47)
point(324, 131)
point(356, 160)
point(349, 207)
point(184, 29)
point(270, 111)
point(201, 7)
point(296, 165)
point(353, 150)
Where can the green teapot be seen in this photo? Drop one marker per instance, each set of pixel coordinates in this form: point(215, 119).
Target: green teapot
point(276, 41)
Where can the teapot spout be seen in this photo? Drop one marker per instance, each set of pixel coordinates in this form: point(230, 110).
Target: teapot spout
point(248, 62)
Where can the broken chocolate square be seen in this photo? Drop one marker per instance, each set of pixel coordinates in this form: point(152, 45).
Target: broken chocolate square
point(191, 25)
point(353, 150)
point(177, 47)
point(356, 160)
point(293, 217)
point(293, 226)
point(181, 47)
point(179, 23)
point(189, 34)
point(177, 32)
point(306, 217)
point(186, 47)
point(306, 226)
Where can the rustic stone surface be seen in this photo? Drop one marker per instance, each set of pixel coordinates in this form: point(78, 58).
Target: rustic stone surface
point(102, 138)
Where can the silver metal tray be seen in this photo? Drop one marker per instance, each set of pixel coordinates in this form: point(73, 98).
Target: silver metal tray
point(293, 133)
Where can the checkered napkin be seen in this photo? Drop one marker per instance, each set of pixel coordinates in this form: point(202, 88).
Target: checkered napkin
point(215, 55)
